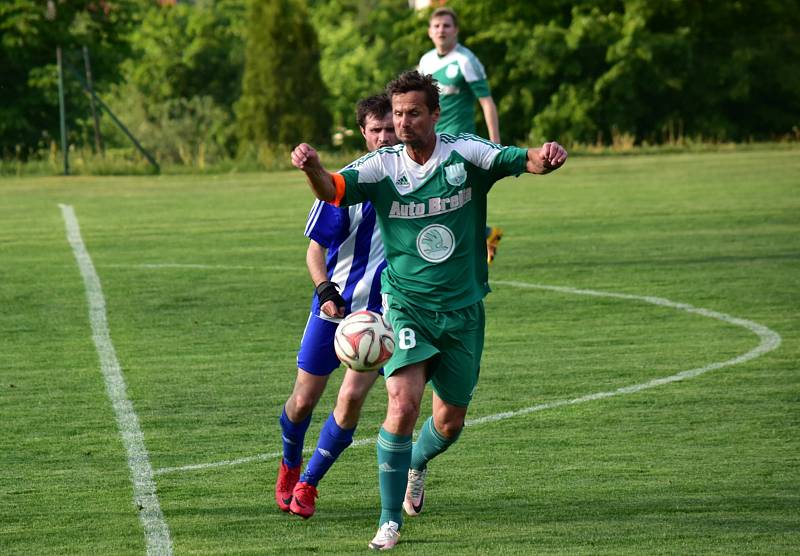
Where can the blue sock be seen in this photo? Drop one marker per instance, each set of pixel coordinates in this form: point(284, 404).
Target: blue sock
point(293, 436)
point(332, 441)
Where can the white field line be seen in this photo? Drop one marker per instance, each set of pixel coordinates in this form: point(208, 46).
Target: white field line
point(770, 340)
point(156, 531)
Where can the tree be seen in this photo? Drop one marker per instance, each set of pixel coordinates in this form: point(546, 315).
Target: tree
point(182, 79)
point(647, 69)
point(30, 31)
point(365, 44)
point(744, 68)
point(282, 100)
point(189, 50)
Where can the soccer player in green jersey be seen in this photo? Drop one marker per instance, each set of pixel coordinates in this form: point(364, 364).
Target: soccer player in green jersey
point(462, 79)
point(429, 195)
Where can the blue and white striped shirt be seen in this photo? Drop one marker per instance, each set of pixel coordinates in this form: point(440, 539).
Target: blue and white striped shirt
point(355, 256)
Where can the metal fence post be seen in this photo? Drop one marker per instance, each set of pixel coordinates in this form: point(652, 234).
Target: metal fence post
point(62, 111)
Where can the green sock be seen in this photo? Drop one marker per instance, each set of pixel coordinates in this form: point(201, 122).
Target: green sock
point(429, 444)
point(394, 455)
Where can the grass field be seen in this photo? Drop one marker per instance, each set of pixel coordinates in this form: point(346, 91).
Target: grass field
point(614, 273)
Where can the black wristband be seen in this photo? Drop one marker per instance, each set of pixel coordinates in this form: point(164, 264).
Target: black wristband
point(328, 291)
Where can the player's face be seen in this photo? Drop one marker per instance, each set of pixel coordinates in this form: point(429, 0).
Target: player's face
point(379, 132)
point(444, 33)
point(413, 121)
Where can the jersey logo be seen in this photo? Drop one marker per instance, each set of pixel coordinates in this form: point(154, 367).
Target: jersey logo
point(452, 71)
point(402, 185)
point(455, 174)
point(435, 243)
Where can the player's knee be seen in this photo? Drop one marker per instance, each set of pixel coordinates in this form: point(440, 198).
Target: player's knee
point(449, 423)
point(403, 409)
point(303, 405)
point(451, 429)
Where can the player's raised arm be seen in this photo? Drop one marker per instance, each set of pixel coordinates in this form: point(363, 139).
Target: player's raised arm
point(305, 158)
point(551, 156)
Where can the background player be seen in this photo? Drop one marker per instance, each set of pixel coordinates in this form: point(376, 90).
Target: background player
point(461, 77)
point(346, 279)
point(462, 80)
point(429, 196)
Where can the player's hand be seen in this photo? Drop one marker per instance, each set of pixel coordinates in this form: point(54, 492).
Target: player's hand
point(330, 300)
point(331, 310)
point(305, 157)
point(552, 156)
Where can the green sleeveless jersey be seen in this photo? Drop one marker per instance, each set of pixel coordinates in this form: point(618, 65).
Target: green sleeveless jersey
point(462, 80)
point(432, 217)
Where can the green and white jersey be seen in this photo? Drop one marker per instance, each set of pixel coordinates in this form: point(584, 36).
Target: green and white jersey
point(462, 80)
point(432, 217)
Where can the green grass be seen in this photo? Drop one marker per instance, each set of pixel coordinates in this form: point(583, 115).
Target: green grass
point(709, 465)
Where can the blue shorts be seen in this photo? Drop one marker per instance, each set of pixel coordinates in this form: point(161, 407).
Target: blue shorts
point(316, 354)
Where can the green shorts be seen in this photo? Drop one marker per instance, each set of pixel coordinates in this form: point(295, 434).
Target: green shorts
point(453, 340)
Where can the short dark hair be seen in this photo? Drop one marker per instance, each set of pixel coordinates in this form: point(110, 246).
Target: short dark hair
point(376, 106)
point(414, 81)
point(444, 10)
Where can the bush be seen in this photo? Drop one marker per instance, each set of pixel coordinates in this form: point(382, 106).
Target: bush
point(193, 131)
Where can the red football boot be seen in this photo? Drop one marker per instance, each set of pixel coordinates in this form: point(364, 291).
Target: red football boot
point(303, 500)
point(287, 479)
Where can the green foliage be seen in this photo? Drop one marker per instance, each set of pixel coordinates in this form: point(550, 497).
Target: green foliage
point(181, 82)
point(598, 70)
point(30, 31)
point(364, 45)
point(194, 131)
point(592, 73)
point(187, 50)
point(282, 100)
point(744, 68)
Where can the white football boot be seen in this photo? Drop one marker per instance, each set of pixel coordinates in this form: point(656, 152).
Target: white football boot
point(415, 492)
point(387, 536)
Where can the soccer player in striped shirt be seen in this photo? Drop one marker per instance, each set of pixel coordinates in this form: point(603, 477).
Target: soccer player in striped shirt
point(429, 196)
point(346, 279)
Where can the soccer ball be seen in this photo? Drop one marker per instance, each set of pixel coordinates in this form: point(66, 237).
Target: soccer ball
point(364, 341)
